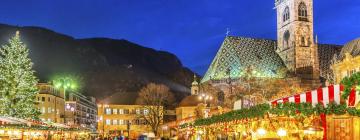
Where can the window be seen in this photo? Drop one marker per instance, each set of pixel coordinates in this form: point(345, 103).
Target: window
point(137, 122)
point(108, 122)
point(115, 122)
point(126, 111)
point(286, 14)
point(351, 72)
point(115, 111)
point(49, 110)
point(146, 111)
point(121, 111)
point(43, 99)
point(303, 41)
point(108, 111)
point(121, 122)
point(144, 122)
point(302, 12)
point(137, 111)
point(43, 110)
point(49, 99)
point(286, 39)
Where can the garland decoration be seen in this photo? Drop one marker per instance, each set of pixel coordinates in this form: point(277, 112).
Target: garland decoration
point(286, 109)
point(38, 127)
point(349, 83)
point(252, 112)
point(185, 125)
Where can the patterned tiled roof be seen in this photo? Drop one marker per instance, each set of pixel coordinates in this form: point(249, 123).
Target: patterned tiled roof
point(238, 53)
point(326, 54)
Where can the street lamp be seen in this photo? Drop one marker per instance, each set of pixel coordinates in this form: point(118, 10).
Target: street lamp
point(64, 83)
point(205, 97)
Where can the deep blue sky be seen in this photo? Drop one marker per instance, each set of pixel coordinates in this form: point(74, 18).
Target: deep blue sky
point(192, 29)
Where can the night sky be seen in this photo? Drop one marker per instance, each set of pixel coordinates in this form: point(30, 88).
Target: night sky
point(192, 29)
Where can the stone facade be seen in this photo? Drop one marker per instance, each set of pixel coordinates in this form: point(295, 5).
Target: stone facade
point(296, 45)
point(347, 62)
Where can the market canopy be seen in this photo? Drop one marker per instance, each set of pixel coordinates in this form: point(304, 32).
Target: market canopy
point(324, 96)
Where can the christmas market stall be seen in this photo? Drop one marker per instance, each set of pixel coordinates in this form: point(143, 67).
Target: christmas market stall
point(313, 115)
point(15, 128)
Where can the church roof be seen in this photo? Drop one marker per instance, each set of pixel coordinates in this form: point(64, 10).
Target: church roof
point(238, 53)
point(193, 101)
point(352, 48)
point(190, 101)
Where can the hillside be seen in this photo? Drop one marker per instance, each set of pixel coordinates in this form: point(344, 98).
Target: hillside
point(109, 68)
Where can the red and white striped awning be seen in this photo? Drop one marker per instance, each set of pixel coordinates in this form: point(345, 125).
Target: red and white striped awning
point(324, 96)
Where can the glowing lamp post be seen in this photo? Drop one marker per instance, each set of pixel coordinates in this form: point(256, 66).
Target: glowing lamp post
point(205, 97)
point(65, 83)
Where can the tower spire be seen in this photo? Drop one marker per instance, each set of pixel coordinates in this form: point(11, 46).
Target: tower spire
point(194, 86)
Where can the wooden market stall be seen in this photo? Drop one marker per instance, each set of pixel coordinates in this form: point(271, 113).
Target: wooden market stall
point(14, 128)
point(312, 115)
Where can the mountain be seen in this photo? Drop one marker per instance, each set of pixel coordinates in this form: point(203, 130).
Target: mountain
point(112, 70)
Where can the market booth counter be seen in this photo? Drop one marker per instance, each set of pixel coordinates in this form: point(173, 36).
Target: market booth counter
point(14, 128)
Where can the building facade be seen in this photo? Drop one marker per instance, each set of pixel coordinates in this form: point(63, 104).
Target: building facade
point(117, 119)
point(295, 43)
point(81, 111)
point(50, 103)
point(347, 62)
point(295, 56)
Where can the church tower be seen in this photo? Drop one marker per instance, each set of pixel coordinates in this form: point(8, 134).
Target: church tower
point(195, 86)
point(296, 45)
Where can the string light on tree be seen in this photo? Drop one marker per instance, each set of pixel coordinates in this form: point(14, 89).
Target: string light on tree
point(17, 81)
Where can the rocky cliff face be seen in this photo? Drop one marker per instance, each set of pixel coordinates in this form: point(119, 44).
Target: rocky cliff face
point(110, 68)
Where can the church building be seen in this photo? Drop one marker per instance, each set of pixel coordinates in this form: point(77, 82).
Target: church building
point(296, 51)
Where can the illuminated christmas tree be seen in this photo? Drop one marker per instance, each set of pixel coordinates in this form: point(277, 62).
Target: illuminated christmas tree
point(17, 81)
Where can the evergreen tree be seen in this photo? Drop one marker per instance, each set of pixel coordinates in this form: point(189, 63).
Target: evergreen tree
point(17, 81)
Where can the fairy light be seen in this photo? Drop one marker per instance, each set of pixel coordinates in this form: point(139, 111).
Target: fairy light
point(261, 131)
point(281, 132)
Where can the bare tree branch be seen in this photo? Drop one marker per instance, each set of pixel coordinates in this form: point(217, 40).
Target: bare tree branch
point(153, 99)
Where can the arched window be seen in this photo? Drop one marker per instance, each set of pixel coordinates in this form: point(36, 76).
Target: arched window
point(286, 14)
point(286, 40)
point(303, 41)
point(302, 11)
